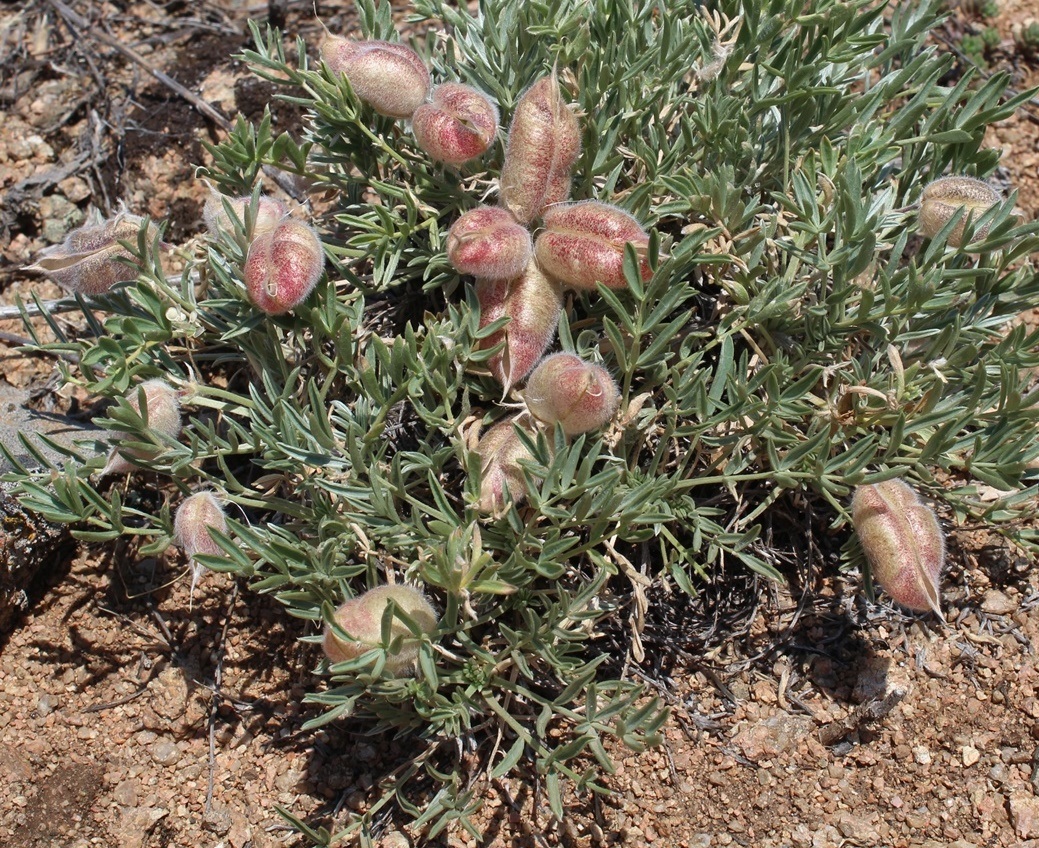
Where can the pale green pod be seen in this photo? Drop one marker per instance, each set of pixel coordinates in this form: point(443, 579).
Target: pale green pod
point(361, 618)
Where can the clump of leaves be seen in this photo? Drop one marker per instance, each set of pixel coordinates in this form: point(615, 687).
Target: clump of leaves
point(791, 338)
point(1026, 37)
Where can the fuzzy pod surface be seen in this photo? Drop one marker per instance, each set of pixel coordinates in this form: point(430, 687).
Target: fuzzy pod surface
point(579, 395)
point(269, 213)
point(583, 244)
point(390, 77)
point(944, 197)
point(195, 516)
point(500, 449)
point(488, 243)
point(90, 259)
point(459, 123)
point(361, 618)
point(533, 303)
point(161, 413)
point(283, 266)
point(902, 541)
point(543, 145)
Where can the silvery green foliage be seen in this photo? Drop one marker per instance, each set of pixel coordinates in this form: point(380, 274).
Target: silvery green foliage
point(796, 338)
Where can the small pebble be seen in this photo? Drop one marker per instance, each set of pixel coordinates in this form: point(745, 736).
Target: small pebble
point(970, 755)
point(165, 752)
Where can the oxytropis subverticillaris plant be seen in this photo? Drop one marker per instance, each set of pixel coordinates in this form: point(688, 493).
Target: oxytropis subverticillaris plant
point(741, 282)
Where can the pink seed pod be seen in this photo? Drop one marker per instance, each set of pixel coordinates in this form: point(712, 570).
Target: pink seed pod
point(533, 303)
point(390, 77)
point(944, 197)
point(583, 244)
point(269, 213)
point(89, 261)
point(902, 541)
point(283, 266)
point(162, 416)
point(361, 618)
point(457, 126)
point(488, 243)
point(544, 144)
point(500, 451)
point(582, 396)
point(195, 516)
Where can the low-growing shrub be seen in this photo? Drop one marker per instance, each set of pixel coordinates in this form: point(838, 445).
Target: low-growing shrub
point(785, 334)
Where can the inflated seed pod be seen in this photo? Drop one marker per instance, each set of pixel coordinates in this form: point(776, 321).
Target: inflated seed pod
point(902, 541)
point(543, 145)
point(579, 395)
point(161, 413)
point(458, 125)
point(283, 266)
point(583, 244)
point(269, 213)
point(361, 618)
point(90, 259)
point(488, 243)
point(390, 77)
point(533, 303)
point(500, 451)
point(195, 516)
point(942, 199)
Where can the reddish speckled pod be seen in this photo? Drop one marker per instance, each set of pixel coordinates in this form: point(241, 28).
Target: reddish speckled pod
point(269, 213)
point(533, 303)
point(583, 244)
point(361, 618)
point(283, 266)
point(543, 145)
point(488, 243)
point(944, 197)
point(582, 396)
point(161, 413)
point(390, 77)
point(902, 541)
point(500, 451)
point(458, 125)
point(89, 261)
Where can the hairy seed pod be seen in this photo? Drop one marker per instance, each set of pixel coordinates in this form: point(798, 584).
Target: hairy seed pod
point(583, 244)
point(544, 144)
point(944, 197)
point(269, 213)
point(501, 481)
point(390, 77)
point(283, 266)
point(582, 396)
point(458, 125)
point(488, 243)
point(533, 303)
point(161, 414)
point(90, 260)
point(195, 516)
point(361, 618)
point(902, 541)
